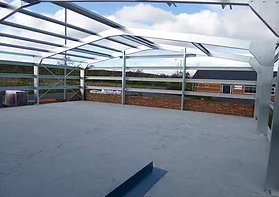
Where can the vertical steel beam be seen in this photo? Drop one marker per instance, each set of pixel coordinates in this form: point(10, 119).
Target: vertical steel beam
point(264, 99)
point(1, 99)
point(65, 61)
point(183, 81)
point(123, 79)
point(82, 83)
point(36, 84)
point(264, 54)
point(257, 67)
point(258, 93)
point(272, 175)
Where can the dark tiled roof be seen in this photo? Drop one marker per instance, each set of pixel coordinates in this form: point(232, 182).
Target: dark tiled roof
point(227, 75)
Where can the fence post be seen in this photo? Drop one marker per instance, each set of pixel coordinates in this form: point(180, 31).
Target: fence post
point(123, 79)
point(82, 82)
point(183, 80)
point(36, 84)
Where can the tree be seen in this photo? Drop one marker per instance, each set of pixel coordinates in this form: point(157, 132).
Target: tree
point(139, 71)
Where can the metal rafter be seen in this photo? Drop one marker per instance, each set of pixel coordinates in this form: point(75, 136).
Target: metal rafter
point(210, 40)
point(202, 48)
point(45, 18)
point(32, 55)
point(15, 8)
point(41, 50)
point(49, 43)
point(103, 20)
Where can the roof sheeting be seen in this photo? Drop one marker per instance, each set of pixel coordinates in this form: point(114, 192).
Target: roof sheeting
point(228, 75)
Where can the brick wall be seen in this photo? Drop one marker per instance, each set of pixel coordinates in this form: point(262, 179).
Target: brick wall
point(238, 109)
point(169, 103)
point(108, 98)
point(212, 87)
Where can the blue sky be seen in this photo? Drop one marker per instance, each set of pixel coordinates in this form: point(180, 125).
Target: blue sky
point(110, 8)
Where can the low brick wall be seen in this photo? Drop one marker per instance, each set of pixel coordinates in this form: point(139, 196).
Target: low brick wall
point(169, 103)
point(238, 109)
point(108, 98)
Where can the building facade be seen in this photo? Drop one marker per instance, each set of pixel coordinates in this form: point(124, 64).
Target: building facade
point(228, 88)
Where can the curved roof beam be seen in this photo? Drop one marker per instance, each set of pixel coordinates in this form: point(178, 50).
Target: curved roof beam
point(82, 42)
point(240, 58)
point(184, 37)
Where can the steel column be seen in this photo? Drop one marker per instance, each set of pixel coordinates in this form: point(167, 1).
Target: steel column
point(272, 176)
point(264, 99)
point(258, 93)
point(123, 78)
point(264, 54)
point(36, 84)
point(82, 83)
point(183, 80)
point(1, 99)
point(65, 61)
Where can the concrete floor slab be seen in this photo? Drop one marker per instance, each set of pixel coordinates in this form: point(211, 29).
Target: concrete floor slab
point(87, 149)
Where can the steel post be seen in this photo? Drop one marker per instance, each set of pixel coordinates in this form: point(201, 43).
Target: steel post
point(82, 83)
point(123, 78)
point(272, 176)
point(1, 98)
point(36, 84)
point(65, 61)
point(183, 80)
point(264, 54)
point(258, 93)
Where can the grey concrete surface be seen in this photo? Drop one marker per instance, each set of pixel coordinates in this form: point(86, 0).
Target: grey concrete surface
point(86, 149)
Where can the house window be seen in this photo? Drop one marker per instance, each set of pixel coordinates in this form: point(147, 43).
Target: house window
point(197, 85)
point(250, 89)
point(206, 85)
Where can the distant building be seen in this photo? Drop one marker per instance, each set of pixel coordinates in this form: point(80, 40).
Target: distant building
point(227, 88)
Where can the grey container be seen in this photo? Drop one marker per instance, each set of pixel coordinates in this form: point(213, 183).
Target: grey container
point(16, 98)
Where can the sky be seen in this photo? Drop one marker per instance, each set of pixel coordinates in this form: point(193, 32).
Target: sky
point(239, 23)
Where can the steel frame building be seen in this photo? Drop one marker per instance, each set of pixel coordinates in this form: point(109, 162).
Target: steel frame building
point(264, 56)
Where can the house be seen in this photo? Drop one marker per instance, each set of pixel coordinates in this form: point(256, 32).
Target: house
point(227, 88)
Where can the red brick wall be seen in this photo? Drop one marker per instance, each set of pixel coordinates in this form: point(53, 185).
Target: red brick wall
point(213, 87)
point(169, 103)
point(108, 98)
point(237, 109)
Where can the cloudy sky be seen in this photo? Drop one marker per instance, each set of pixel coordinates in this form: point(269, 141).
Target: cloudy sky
point(240, 23)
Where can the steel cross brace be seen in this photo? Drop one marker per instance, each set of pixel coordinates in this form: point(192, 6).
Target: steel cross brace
point(59, 80)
